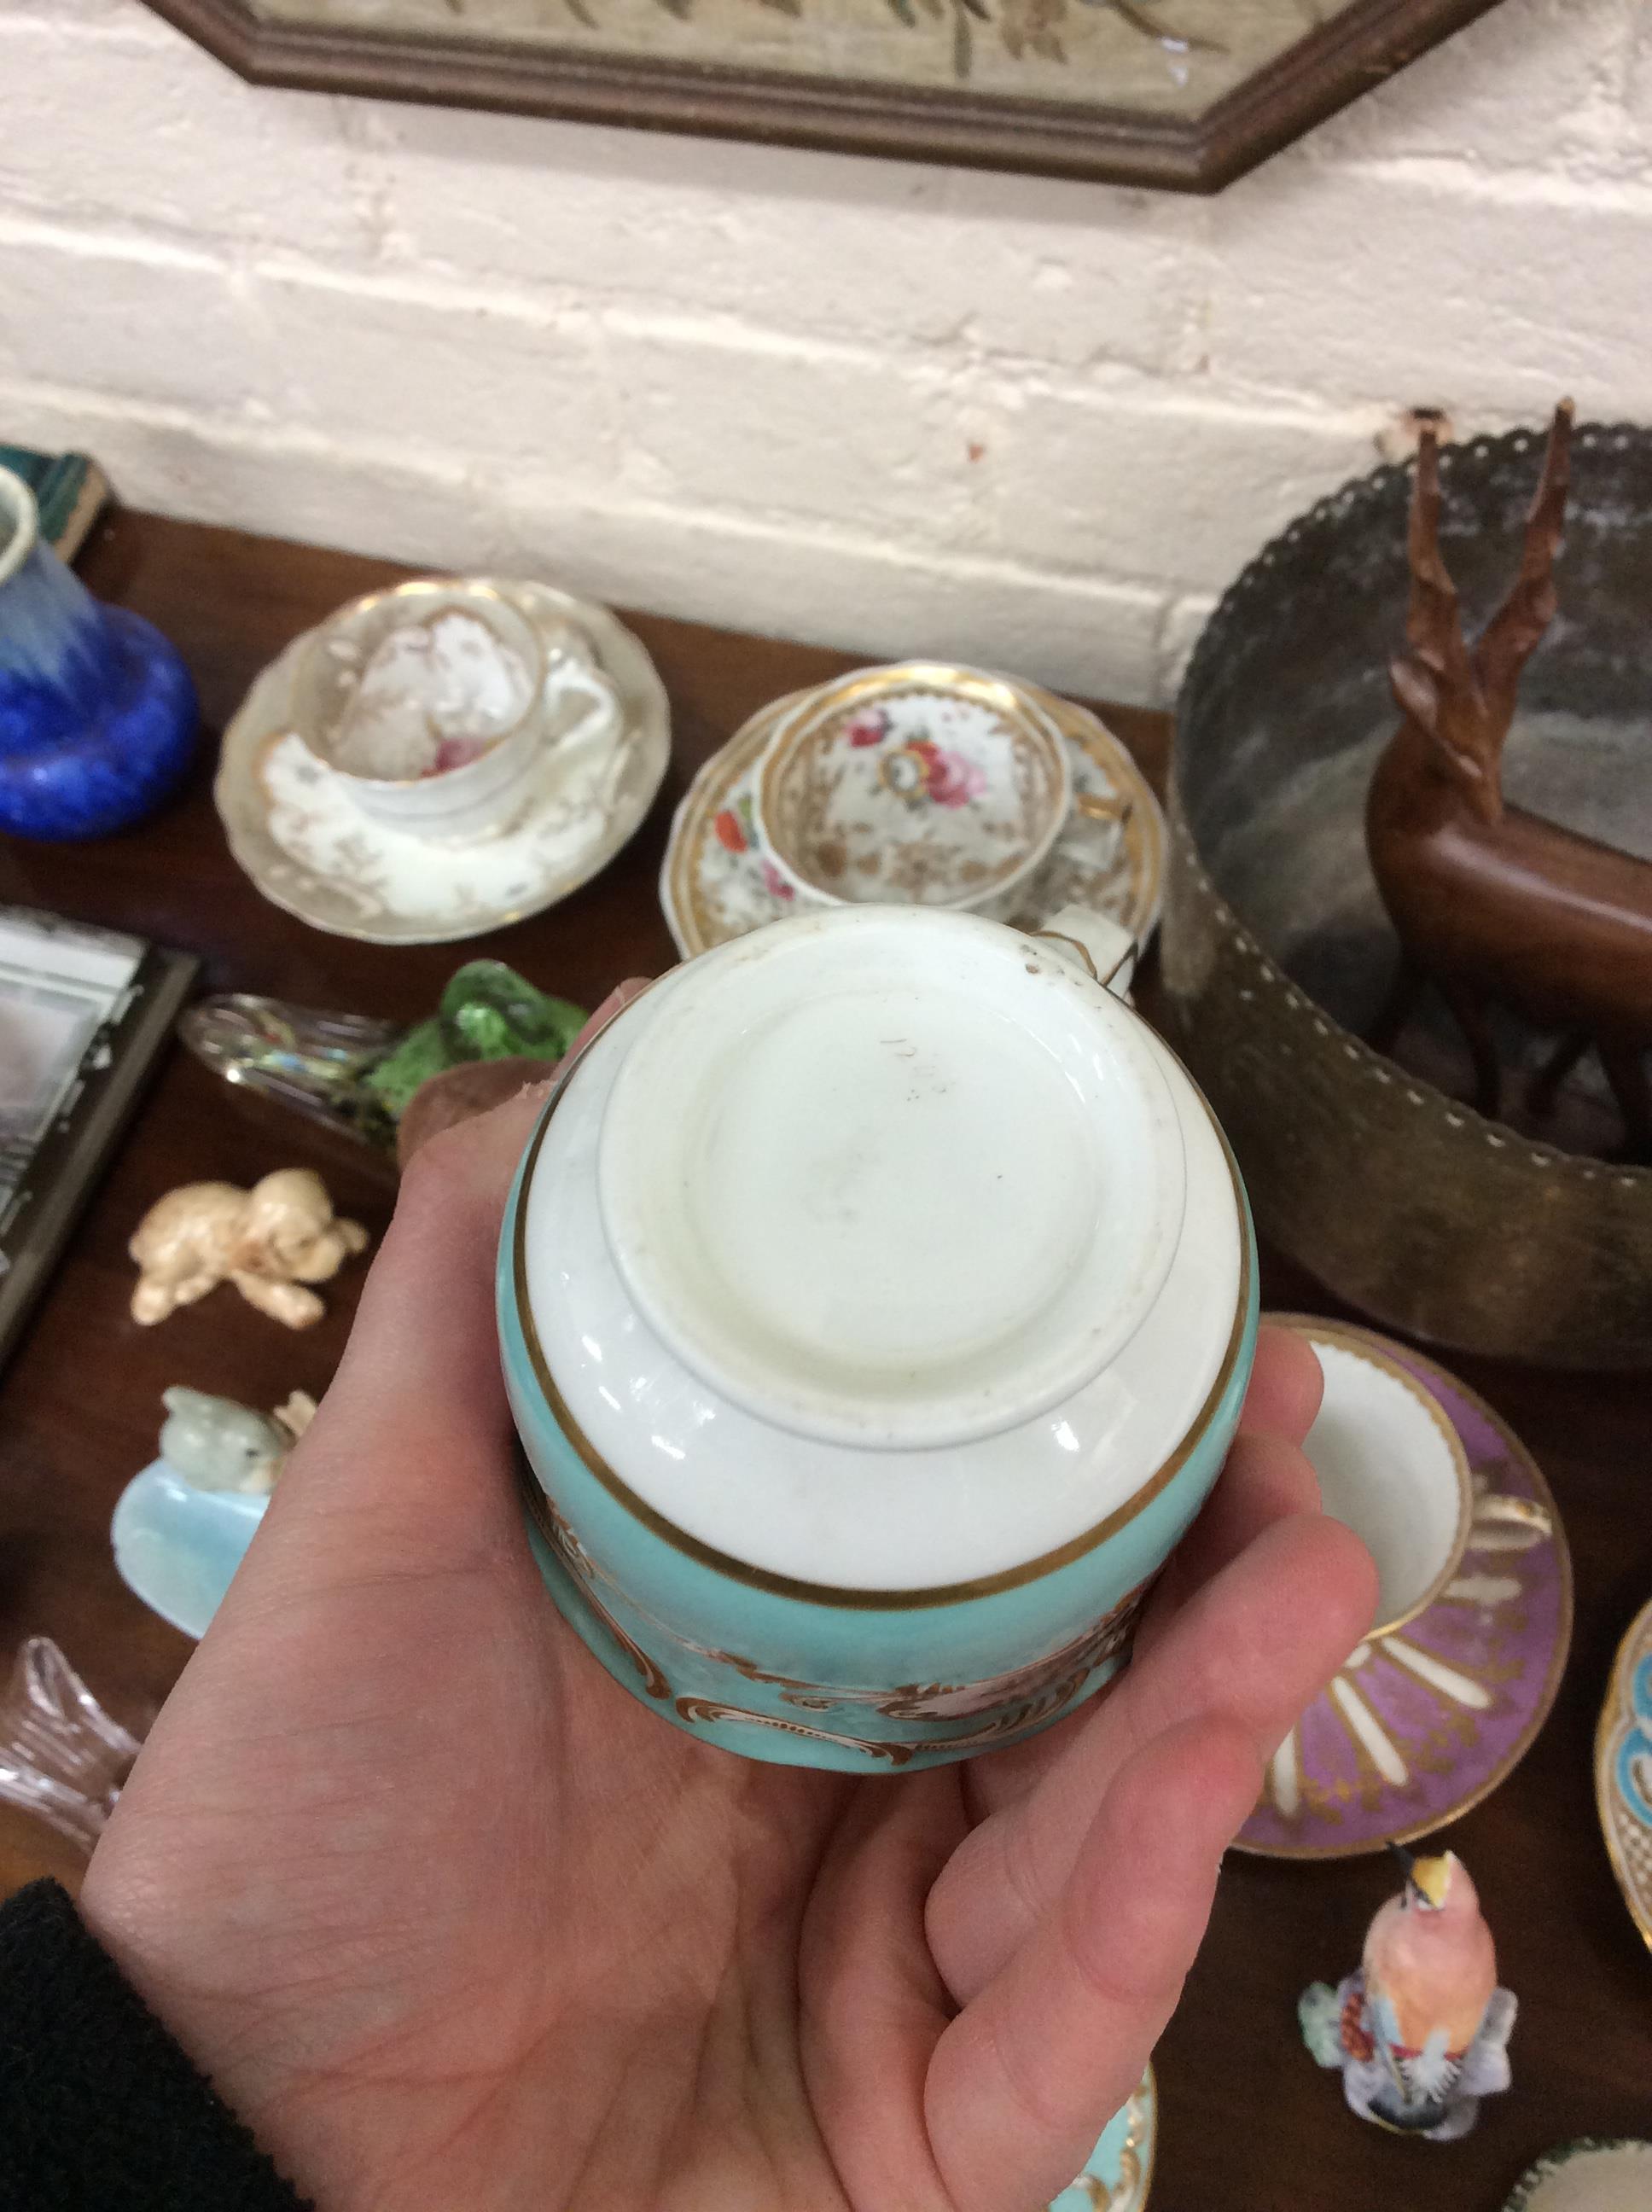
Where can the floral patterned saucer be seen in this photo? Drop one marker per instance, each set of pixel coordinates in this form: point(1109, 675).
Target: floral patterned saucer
point(716, 882)
point(292, 825)
point(1423, 1723)
point(1623, 1775)
point(1119, 2172)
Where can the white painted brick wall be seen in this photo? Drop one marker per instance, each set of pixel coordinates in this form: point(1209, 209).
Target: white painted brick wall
point(891, 407)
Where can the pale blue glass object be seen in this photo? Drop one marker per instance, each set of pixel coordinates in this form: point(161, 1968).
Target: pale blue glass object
point(98, 715)
point(177, 1547)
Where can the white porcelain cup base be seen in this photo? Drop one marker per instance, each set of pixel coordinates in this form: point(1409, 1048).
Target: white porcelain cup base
point(918, 1199)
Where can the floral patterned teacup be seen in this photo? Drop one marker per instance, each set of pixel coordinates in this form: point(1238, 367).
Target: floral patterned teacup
point(435, 702)
point(916, 784)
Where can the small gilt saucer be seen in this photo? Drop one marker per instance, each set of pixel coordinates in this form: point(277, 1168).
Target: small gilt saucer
point(292, 825)
point(1595, 2174)
point(1424, 1721)
point(1119, 2172)
point(716, 882)
point(1623, 1778)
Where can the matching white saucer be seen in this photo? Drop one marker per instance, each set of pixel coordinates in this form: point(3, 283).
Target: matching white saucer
point(293, 826)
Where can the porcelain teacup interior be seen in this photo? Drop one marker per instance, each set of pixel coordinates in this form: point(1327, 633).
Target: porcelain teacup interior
point(1391, 1465)
point(435, 702)
point(877, 1300)
point(940, 786)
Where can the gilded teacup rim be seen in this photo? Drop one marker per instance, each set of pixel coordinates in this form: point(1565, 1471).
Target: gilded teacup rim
point(461, 590)
point(1357, 1344)
point(1009, 700)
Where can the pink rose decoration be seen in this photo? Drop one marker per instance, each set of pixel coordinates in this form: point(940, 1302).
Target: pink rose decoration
point(952, 781)
point(775, 883)
point(457, 752)
point(867, 730)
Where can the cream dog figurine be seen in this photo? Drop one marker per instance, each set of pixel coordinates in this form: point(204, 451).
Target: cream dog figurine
point(269, 1241)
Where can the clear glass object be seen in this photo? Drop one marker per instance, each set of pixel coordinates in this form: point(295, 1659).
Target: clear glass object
point(61, 1757)
point(313, 1061)
point(354, 1074)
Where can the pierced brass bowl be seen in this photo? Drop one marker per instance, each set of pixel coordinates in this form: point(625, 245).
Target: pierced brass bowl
point(1518, 1238)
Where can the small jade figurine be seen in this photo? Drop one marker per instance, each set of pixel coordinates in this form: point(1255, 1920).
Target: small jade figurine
point(354, 1074)
point(1421, 2032)
point(215, 1443)
point(269, 1241)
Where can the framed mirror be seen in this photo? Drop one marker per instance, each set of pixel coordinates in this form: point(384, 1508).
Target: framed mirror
point(1183, 94)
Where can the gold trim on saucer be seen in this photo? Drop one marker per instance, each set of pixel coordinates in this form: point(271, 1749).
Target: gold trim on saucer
point(1135, 809)
point(1544, 1523)
point(829, 1593)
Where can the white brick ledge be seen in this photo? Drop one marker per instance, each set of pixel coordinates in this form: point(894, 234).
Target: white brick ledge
point(871, 403)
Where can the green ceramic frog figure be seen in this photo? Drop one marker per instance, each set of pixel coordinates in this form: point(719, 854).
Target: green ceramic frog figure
point(487, 1012)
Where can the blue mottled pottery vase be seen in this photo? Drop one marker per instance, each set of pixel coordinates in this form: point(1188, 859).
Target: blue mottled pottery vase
point(876, 1302)
point(98, 715)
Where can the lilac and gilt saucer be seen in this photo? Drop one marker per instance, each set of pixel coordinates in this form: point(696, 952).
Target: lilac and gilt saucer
point(1423, 1723)
point(1623, 1770)
point(718, 883)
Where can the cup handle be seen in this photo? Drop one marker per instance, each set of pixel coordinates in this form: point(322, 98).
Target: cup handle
point(574, 675)
point(1098, 948)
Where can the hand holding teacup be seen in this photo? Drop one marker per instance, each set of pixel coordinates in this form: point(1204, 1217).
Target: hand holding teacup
point(878, 1302)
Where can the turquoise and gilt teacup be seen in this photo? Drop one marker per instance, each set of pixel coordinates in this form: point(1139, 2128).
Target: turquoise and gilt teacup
point(877, 1297)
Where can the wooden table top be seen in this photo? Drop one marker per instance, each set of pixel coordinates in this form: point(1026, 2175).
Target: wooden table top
point(1248, 2122)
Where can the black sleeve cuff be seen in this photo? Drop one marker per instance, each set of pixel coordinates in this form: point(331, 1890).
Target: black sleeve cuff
point(99, 2109)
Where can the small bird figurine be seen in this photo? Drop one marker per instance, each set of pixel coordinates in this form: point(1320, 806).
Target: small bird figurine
point(1421, 2032)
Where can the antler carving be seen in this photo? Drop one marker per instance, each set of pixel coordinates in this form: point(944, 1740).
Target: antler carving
point(1495, 905)
point(1464, 701)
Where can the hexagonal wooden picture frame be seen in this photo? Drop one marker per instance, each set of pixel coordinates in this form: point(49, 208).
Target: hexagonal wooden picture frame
point(1182, 94)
